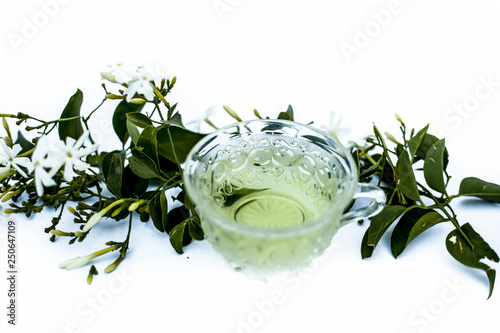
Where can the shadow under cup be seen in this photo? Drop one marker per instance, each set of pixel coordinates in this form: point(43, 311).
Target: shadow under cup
point(270, 193)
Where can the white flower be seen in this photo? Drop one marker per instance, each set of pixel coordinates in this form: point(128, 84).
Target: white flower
point(141, 83)
point(75, 262)
point(8, 157)
point(71, 152)
point(196, 124)
point(334, 128)
point(137, 78)
point(119, 73)
point(41, 160)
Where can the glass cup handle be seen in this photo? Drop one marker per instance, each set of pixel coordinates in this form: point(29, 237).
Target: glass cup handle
point(365, 190)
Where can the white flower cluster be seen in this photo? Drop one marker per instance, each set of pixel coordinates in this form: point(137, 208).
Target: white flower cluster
point(45, 163)
point(137, 78)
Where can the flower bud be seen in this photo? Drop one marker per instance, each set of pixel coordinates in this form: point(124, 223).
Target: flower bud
point(8, 196)
point(113, 96)
point(109, 77)
point(59, 233)
point(8, 141)
point(135, 205)
point(117, 211)
point(75, 262)
point(398, 117)
point(110, 268)
point(7, 129)
point(94, 219)
point(9, 211)
point(231, 112)
point(256, 113)
point(138, 101)
point(390, 137)
point(72, 210)
point(98, 216)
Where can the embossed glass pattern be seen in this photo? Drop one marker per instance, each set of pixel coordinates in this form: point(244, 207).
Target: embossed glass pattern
point(270, 193)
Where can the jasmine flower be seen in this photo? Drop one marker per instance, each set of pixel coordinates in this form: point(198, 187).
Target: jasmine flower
point(42, 159)
point(119, 73)
point(141, 83)
point(8, 157)
point(71, 153)
point(334, 127)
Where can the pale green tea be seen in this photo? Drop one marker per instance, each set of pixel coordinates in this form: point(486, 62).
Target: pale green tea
point(270, 193)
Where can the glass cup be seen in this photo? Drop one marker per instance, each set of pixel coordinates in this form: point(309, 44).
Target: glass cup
point(271, 194)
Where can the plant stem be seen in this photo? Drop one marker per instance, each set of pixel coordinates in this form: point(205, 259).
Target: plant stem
point(451, 218)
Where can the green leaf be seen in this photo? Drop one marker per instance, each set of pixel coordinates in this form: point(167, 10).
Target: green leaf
point(434, 167)
point(133, 132)
point(142, 165)
point(111, 165)
point(144, 216)
point(72, 128)
point(134, 186)
point(412, 223)
point(379, 225)
point(115, 174)
point(178, 236)
point(139, 119)
point(405, 178)
point(195, 230)
point(155, 213)
point(459, 248)
point(148, 143)
point(120, 118)
point(479, 188)
point(167, 168)
point(287, 115)
point(183, 139)
point(177, 215)
point(366, 250)
point(415, 142)
point(164, 210)
point(24, 143)
point(176, 119)
point(158, 210)
point(372, 169)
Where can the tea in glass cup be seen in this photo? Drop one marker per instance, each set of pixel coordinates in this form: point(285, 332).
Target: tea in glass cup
point(271, 193)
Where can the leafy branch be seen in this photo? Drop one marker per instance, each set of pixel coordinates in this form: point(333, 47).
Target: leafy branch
point(137, 178)
point(416, 206)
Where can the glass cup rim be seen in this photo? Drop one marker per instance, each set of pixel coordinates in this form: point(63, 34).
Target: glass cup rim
point(229, 224)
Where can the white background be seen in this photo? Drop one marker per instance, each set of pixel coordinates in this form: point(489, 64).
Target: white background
point(420, 59)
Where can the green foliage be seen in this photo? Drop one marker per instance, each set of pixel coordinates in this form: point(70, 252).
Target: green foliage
point(378, 226)
point(24, 143)
point(479, 188)
point(412, 223)
point(406, 207)
point(472, 253)
point(136, 180)
point(120, 117)
point(287, 115)
point(434, 167)
point(158, 209)
point(181, 139)
point(142, 165)
point(405, 178)
point(70, 124)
